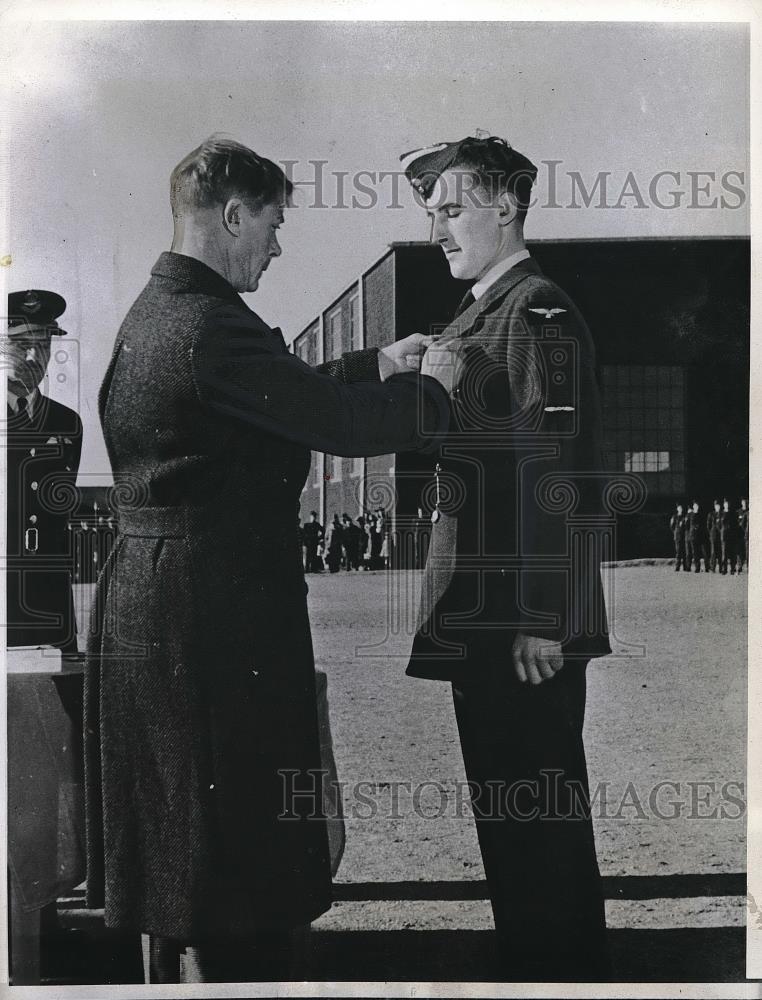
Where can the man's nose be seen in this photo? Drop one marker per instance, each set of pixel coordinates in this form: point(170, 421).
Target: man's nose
point(275, 249)
point(439, 232)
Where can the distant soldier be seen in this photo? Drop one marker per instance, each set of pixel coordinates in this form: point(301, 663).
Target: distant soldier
point(333, 546)
point(382, 534)
point(728, 539)
point(713, 531)
point(362, 542)
point(696, 539)
point(352, 542)
point(678, 525)
point(313, 534)
point(742, 515)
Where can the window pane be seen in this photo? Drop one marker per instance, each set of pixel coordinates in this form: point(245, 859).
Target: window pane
point(354, 322)
point(334, 334)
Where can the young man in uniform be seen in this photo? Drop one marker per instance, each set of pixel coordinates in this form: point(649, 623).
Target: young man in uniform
point(512, 606)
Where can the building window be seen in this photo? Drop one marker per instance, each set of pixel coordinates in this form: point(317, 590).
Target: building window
point(355, 326)
point(306, 346)
point(646, 461)
point(357, 467)
point(644, 424)
point(336, 468)
point(334, 335)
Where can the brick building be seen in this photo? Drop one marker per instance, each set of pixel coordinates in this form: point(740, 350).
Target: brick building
point(670, 319)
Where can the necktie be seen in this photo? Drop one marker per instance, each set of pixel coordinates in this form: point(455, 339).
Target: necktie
point(22, 417)
point(467, 300)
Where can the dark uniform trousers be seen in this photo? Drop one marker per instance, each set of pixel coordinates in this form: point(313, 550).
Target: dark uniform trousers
point(742, 554)
point(525, 763)
point(678, 525)
point(728, 542)
point(715, 545)
point(697, 548)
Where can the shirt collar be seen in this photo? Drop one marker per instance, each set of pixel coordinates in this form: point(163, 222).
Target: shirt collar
point(496, 271)
point(31, 401)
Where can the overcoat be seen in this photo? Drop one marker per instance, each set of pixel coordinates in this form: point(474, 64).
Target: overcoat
point(202, 746)
point(525, 508)
point(43, 459)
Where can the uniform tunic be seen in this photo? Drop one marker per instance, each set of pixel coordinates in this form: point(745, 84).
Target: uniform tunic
point(43, 452)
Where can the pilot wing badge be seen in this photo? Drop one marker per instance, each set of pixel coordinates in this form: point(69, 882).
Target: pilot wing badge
point(547, 313)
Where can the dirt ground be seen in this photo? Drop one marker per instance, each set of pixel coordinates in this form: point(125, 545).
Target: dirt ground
point(665, 734)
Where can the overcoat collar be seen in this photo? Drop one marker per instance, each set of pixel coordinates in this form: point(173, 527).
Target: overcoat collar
point(463, 324)
point(195, 274)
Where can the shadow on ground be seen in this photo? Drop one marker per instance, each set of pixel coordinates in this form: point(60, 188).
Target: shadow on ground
point(715, 955)
point(85, 952)
point(682, 955)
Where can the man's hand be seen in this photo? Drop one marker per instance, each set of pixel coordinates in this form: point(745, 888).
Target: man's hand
point(403, 355)
point(536, 660)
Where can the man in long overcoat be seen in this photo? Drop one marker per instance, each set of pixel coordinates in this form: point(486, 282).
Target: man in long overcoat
point(202, 745)
point(512, 606)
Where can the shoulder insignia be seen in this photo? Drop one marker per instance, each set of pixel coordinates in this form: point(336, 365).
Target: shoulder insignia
point(547, 313)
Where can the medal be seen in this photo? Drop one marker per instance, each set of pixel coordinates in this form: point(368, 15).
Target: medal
point(436, 513)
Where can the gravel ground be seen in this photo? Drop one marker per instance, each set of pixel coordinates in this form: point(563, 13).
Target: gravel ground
point(668, 706)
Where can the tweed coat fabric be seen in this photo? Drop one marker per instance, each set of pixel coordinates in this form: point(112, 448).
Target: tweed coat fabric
point(43, 459)
point(516, 546)
point(200, 711)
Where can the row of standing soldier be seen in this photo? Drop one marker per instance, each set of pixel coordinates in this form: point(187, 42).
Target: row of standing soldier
point(358, 544)
point(720, 540)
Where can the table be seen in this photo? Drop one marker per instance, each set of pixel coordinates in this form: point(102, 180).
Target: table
point(46, 816)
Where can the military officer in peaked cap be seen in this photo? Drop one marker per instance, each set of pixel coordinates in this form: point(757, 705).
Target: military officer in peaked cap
point(44, 442)
point(512, 609)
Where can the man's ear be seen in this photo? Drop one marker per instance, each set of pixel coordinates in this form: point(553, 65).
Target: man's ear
point(508, 209)
point(231, 216)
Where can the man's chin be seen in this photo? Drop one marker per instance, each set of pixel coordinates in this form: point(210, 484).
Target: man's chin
point(458, 267)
